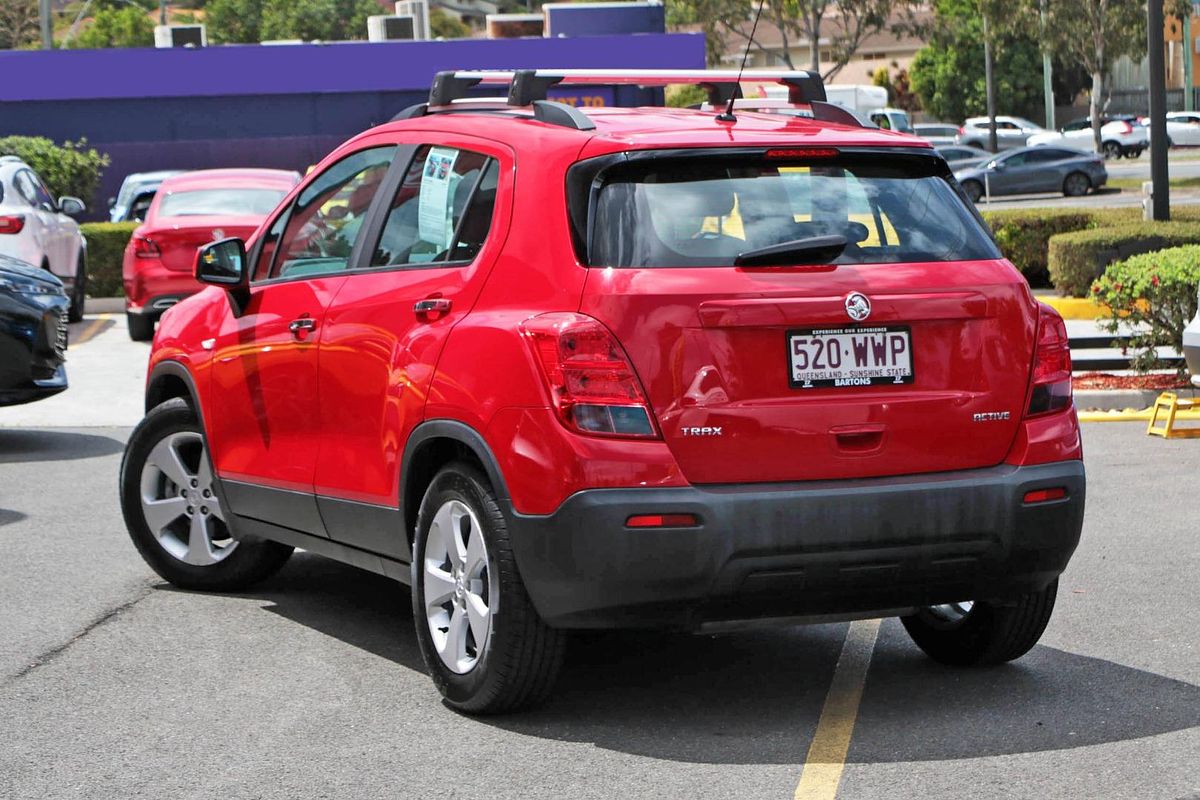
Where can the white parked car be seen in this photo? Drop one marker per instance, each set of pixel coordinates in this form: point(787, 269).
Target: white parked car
point(1010, 132)
point(1183, 128)
point(37, 229)
point(1119, 137)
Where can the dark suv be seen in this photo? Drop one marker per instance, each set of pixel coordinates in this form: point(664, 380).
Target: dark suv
point(634, 367)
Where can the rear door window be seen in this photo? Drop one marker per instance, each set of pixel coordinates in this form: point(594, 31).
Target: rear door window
point(695, 212)
point(442, 211)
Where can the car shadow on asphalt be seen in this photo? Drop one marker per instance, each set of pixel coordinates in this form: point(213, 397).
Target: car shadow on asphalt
point(9, 516)
point(25, 445)
point(755, 697)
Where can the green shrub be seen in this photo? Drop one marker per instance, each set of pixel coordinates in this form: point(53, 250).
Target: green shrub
point(1077, 259)
point(1024, 236)
point(71, 169)
point(106, 247)
point(1155, 292)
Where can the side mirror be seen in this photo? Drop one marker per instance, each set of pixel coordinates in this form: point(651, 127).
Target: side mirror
point(112, 201)
point(223, 264)
point(71, 206)
point(999, 166)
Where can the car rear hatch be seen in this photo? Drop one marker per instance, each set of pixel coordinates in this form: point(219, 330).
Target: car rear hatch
point(909, 352)
point(178, 237)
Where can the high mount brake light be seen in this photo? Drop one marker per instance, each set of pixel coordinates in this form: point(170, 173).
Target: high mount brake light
point(803, 152)
point(591, 382)
point(12, 223)
point(145, 248)
point(1051, 365)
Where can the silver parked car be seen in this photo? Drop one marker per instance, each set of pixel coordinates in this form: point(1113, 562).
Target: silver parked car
point(1010, 132)
point(136, 193)
point(1030, 170)
point(936, 133)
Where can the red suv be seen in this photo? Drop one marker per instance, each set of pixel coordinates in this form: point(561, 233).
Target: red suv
point(189, 210)
point(634, 367)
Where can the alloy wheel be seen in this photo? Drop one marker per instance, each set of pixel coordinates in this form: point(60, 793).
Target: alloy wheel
point(459, 587)
point(180, 504)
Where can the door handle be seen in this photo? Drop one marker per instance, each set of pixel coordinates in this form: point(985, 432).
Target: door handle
point(432, 307)
point(300, 328)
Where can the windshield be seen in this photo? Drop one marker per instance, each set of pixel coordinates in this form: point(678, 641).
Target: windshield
point(694, 212)
point(220, 202)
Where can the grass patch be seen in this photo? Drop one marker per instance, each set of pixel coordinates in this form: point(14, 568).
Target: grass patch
point(1136, 183)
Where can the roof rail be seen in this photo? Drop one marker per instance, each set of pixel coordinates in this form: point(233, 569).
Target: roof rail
point(530, 88)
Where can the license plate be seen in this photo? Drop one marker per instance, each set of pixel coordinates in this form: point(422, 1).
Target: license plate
point(849, 357)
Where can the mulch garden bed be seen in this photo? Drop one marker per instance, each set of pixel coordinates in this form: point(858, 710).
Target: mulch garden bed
point(1156, 381)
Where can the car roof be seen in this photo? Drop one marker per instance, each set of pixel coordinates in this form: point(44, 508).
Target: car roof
point(619, 128)
point(214, 178)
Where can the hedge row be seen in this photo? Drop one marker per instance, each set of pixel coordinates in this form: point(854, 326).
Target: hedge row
point(106, 247)
point(1077, 259)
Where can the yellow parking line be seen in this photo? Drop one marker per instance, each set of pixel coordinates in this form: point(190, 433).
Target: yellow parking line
point(91, 330)
point(827, 753)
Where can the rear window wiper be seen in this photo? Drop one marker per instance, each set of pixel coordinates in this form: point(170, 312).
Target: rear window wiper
point(809, 250)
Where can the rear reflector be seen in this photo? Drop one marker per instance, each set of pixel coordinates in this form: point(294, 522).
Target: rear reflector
point(1045, 495)
point(12, 223)
point(1051, 364)
point(591, 382)
point(803, 152)
point(662, 521)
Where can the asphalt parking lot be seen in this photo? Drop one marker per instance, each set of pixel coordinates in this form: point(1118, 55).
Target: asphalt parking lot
point(113, 684)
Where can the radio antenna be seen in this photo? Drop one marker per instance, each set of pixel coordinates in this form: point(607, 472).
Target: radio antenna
point(727, 114)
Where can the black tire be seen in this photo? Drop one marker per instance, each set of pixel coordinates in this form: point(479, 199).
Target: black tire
point(141, 326)
point(974, 190)
point(991, 633)
point(1136, 152)
point(78, 293)
point(522, 655)
point(247, 563)
point(1111, 150)
point(1076, 184)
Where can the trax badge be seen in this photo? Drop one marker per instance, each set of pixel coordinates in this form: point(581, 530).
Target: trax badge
point(858, 307)
point(701, 431)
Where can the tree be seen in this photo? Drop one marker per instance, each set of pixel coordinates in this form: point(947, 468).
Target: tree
point(843, 24)
point(444, 26)
point(115, 27)
point(947, 75)
point(18, 23)
point(234, 21)
point(311, 20)
point(1095, 33)
point(72, 168)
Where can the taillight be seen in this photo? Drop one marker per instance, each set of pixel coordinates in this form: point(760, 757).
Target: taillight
point(591, 382)
point(145, 248)
point(1126, 127)
point(1051, 364)
point(12, 223)
point(961, 131)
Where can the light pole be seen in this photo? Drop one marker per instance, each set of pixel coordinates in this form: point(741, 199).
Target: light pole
point(1161, 202)
point(47, 27)
point(991, 86)
point(1189, 46)
point(1047, 75)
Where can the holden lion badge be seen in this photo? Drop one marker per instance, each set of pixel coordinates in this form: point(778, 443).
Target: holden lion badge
point(858, 307)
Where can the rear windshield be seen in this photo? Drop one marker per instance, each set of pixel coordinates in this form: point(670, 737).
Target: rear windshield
point(218, 202)
point(688, 212)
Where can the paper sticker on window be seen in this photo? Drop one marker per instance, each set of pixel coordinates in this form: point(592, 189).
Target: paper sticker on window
point(434, 213)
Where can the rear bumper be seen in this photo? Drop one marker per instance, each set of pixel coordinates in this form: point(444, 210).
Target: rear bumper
point(803, 549)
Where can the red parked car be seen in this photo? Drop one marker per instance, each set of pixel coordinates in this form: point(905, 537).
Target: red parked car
point(634, 367)
point(191, 209)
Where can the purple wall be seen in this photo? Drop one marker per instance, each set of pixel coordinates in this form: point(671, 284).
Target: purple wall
point(317, 68)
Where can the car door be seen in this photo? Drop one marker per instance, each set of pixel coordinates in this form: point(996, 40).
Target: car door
point(265, 416)
point(61, 230)
point(431, 248)
point(1045, 174)
point(1009, 135)
point(1009, 176)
